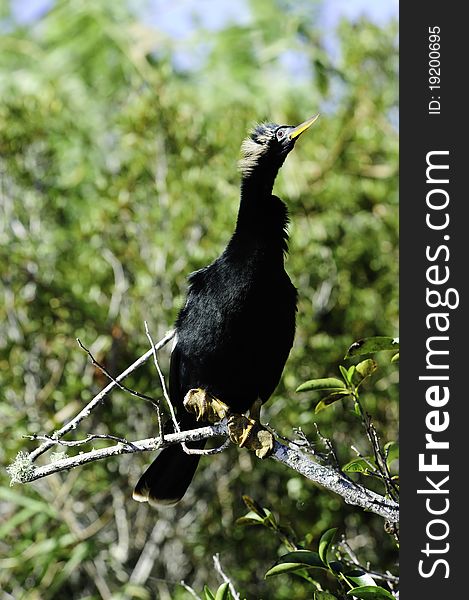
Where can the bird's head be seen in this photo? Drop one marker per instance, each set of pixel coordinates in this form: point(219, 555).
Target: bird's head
point(269, 144)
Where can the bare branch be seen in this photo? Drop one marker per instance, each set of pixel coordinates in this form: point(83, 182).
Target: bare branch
point(163, 384)
point(327, 442)
point(124, 388)
point(354, 562)
point(226, 579)
point(190, 590)
point(122, 447)
point(90, 437)
point(85, 412)
point(292, 457)
point(334, 480)
point(382, 469)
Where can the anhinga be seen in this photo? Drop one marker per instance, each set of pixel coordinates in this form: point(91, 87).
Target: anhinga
point(236, 329)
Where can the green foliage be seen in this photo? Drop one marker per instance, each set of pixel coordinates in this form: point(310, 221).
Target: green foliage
point(319, 385)
point(117, 179)
point(373, 344)
point(296, 561)
point(365, 465)
point(222, 593)
point(325, 544)
point(305, 562)
point(371, 592)
point(377, 464)
point(353, 377)
point(301, 561)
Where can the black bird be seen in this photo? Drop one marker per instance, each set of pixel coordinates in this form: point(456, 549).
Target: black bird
point(235, 332)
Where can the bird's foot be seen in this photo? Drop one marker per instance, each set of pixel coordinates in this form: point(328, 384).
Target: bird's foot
point(249, 433)
point(205, 406)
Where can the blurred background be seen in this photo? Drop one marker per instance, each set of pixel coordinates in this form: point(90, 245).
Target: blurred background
point(120, 127)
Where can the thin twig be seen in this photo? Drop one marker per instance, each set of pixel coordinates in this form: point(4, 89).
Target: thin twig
point(190, 590)
point(300, 443)
point(373, 470)
point(72, 443)
point(184, 446)
point(85, 412)
point(226, 579)
point(304, 443)
point(163, 385)
point(123, 387)
point(212, 451)
point(389, 480)
point(380, 460)
point(354, 561)
point(327, 442)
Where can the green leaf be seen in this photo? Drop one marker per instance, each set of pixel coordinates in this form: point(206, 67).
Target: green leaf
point(366, 368)
point(270, 518)
point(360, 578)
point(359, 465)
point(325, 543)
point(208, 594)
point(293, 561)
point(283, 568)
point(254, 506)
point(395, 358)
point(251, 518)
point(372, 344)
point(344, 373)
point(223, 592)
point(324, 596)
point(391, 451)
point(328, 400)
point(318, 385)
point(371, 592)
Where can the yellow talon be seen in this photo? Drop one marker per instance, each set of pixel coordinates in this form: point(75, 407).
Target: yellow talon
point(205, 406)
point(248, 433)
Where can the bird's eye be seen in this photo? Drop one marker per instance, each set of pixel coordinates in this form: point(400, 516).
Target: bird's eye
point(280, 134)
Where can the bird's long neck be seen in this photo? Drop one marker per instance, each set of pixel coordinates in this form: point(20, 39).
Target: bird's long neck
point(262, 217)
point(259, 181)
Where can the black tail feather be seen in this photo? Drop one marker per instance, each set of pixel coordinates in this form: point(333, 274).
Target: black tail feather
point(167, 478)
